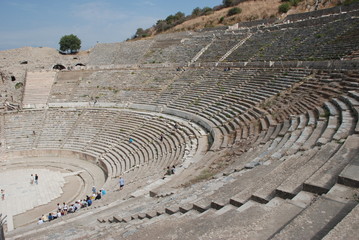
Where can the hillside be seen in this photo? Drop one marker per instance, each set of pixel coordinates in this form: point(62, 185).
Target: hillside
point(250, 10)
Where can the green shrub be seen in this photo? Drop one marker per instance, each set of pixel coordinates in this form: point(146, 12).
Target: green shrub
point(196, 11)
point(284, 7)
point(234, 11)
point(294, 2)
point(207, 11)
point(228, 3)
point(348, 2)
point(19, 85)
point(221, 20)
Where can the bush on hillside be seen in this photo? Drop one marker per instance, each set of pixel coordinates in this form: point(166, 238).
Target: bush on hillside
point(141, 33)
point(294, 2)
point(234, 11)
point(175, 19)
point(283, 8)
point(348, 2)
point(207, 11)
point(200, 12)
point(170, 21)
point(196, 12)
point(228, 3)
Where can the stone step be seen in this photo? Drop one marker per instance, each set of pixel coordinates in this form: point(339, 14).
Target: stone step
point(294, 184)
point(317, 220)
point(325, 177)
point(347, 228)
point(290, 166)
point(350, 174)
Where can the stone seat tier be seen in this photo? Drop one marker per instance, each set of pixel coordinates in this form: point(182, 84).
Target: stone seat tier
point(325, 177)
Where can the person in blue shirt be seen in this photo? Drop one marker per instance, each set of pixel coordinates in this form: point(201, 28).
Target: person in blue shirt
point(103, 192)
point(122, 183)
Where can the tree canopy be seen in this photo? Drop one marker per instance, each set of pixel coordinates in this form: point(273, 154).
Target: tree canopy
point(70, 43)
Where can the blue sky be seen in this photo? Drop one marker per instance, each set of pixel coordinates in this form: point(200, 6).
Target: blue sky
point(41, 23)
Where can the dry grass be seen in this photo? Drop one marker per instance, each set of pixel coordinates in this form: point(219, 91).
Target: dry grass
point(251, 10)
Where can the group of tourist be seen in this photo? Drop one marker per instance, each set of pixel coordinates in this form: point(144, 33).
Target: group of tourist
point(170, 170)
point(64, 209)
point(34, 179)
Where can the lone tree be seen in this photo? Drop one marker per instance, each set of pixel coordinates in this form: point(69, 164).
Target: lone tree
point(70, 43)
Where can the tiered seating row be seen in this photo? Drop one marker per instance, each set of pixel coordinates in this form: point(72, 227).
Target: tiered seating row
point(181, 49)
point(289, 175)
point(157, 141)
point(305, 40)
point(309, 93)
point(228, 99)
point(123, 86)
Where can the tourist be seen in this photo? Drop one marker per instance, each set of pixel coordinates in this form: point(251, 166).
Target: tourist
point(161, 137)
point(54, 215)
point(50, 217)
point(44, 218)
point(169, 171)
point(65, 208)
point(89, 202)
point(122, 183)
point(98, 196)
point(93, 196)
point(36, 179)
point(77, 205)
point(71, 209)
point(32, 179)
point(59, 206)
point(94, 190)
point(103, 192)
point(84, 203)
point(130, 140)
point(2, 194)
point(40, 221)
point(173, 169)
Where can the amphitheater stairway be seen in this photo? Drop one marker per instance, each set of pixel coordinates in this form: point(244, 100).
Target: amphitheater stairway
point(255, 217)
point(273, 220)
point(38, 87)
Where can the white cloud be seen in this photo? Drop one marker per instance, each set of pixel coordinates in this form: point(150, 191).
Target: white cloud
point(148, 3)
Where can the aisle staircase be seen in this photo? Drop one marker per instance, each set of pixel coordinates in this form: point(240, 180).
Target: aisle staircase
point(37, 88)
